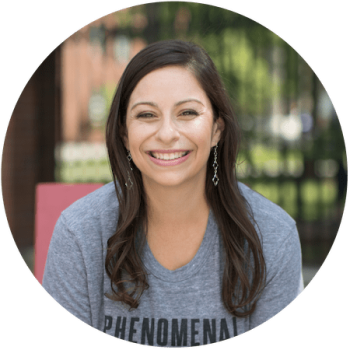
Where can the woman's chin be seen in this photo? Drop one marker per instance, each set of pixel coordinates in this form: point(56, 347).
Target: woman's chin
point(170, 182)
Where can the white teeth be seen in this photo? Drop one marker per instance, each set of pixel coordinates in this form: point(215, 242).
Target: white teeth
point(168, 156)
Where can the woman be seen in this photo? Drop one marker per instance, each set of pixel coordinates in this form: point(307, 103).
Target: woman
point(175, 252)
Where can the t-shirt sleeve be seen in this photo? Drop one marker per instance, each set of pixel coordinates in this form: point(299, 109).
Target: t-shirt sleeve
point(65, 277)
point(284, 280)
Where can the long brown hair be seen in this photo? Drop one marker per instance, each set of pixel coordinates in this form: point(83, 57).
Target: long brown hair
point(244, 272)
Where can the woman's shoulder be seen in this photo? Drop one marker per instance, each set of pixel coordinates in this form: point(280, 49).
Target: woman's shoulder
point(266, 212)
point(98, 209)
point(277, 231)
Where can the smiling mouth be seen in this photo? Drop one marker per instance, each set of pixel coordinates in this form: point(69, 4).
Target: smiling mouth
point(168, 156)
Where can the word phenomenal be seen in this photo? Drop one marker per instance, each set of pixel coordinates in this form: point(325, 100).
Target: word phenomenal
point(184, 332)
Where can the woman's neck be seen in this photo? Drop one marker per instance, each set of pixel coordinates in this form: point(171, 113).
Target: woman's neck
point(176, 206)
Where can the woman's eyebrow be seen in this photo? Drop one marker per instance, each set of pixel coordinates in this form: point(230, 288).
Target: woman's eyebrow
point(144, 103)
point(188, 100)
point(176, 104)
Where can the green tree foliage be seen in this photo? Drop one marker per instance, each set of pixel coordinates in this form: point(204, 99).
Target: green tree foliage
point(260, 71)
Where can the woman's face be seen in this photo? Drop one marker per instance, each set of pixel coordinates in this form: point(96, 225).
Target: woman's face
point(170, 127)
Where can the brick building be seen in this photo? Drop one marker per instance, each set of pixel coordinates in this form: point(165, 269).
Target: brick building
point(54, 108)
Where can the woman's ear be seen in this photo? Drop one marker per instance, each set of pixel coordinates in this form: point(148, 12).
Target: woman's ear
point(124, 136)
point(218, 128)
point(126, 142)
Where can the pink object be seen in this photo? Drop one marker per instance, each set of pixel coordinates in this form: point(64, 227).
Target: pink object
point(51, 200)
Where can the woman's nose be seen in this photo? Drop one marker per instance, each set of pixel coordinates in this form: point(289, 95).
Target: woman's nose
point(167, 132)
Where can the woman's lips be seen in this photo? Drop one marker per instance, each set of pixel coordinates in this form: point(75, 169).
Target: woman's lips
point(172, 162)
point(168, 150)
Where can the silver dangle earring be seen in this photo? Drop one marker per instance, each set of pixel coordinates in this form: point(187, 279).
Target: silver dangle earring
point(129, 158)
point(215, 178)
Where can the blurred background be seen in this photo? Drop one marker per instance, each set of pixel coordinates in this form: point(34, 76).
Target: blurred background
point(293, 149)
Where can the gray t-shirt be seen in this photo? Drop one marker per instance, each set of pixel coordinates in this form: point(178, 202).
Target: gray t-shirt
point(182, 307)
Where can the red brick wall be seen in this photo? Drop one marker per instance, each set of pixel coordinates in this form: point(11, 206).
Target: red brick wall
point(51, 108)
point(28, 155)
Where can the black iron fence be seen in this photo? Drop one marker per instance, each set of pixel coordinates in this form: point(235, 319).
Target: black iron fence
point(293, 150)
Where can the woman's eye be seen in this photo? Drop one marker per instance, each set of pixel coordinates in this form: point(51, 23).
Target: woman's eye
point(145, 115)
point(189, 112)
point(148, 115)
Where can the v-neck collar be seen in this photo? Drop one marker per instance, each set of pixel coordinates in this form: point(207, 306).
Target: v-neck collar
point(159, 271)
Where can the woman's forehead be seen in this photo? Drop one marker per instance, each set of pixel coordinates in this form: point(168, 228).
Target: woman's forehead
point(167, 84)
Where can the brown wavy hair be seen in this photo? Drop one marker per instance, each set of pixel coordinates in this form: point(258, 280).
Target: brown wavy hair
point(244, 272)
